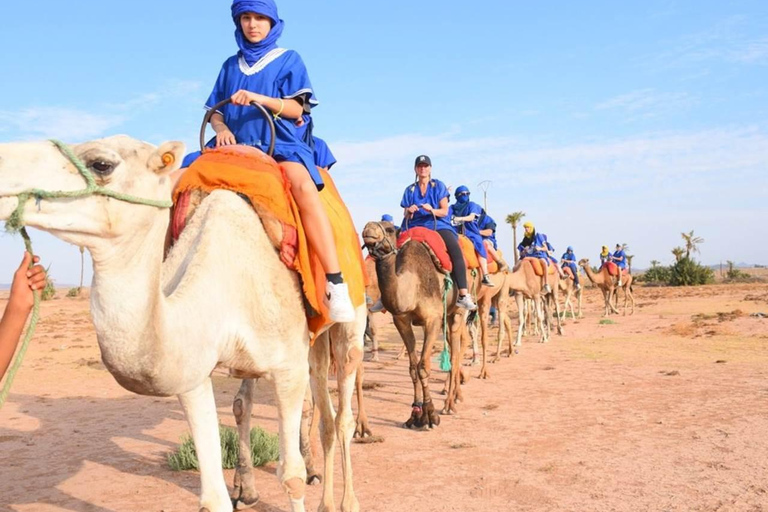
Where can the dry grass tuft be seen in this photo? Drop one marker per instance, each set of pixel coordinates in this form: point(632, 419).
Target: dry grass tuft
point(367, 386)
point(369, 440)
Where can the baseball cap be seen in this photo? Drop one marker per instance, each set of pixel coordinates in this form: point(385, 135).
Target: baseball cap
point(422, 159)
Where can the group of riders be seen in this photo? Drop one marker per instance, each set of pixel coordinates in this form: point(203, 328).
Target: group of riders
point(276, 79)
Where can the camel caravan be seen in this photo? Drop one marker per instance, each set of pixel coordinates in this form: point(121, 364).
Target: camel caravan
point(244, 257)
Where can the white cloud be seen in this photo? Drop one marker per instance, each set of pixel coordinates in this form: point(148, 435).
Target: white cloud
point(647, 102)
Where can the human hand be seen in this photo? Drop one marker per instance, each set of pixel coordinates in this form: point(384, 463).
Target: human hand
point(25, 280)
point(412, 209)
point(471, 217)
point(427, 207)
point(245, 98)
point(225, 138)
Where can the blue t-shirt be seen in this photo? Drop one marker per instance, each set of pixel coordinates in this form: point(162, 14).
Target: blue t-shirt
point(486, 222)
point(620, 254)
point(279, 74)
point(470, 229)
point(568, 257)
point(436, 191)
point(323, 156)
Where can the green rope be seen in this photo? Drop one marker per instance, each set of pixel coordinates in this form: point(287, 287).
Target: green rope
point(445, 355)
point(15, 223)
point(28, 336)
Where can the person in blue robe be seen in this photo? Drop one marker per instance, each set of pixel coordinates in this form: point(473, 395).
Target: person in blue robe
point(277, 79)
point(569, 260)
point(620, 259)
point(464, 215)
point(534, 245)
point(425, 204)
point(487, 227)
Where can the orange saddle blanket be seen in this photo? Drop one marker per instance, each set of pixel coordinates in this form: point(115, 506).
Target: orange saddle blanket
point(613, 269)
point(471, 256)
point(432, 240)
point(250, 172)
point(568, 272)
point(538, 266)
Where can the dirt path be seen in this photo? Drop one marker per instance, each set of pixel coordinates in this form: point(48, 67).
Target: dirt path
point(663, 411)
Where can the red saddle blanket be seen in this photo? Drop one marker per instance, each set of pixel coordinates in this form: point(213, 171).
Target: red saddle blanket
point(613, 269)
point(432, 240)
point(568, 272)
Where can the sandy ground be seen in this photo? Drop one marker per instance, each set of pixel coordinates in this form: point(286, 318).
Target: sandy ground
point(663, 411)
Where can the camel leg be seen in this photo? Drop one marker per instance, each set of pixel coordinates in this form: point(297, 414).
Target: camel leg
point(361, 429)
point(403, 326)
point(309, 421)
point(520, 317)
point(347, 343)
point(456, 345)
point(485, 311)
point(290, 387)
point(428, 417)
point(319, 362)
point(200, 409)
point(370, 333)
point(244, 487)
point(556, 302)
point(541, 311)
point(473, 336)
point(581, 315)
point(501, 313)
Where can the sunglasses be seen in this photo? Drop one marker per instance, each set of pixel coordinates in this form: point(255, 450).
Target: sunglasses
point(462, 194)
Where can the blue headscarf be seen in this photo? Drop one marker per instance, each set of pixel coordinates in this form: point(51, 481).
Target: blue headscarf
point(462, 201)
point(252, 52)
point(387, 218)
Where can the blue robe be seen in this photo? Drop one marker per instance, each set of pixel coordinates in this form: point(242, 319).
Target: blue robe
point(486, 222)
point(436, 191)
point(532, 251)
point(470, 229)
point(323, 156)
point(569, 260)
point(280, 73)
point(620, 254)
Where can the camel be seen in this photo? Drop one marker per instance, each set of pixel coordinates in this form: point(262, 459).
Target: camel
point(412, 291)
point(607, 284)
point(567, 286)
point(497, 296)
point(222, 298)
point(372, 295)
point(527, 285)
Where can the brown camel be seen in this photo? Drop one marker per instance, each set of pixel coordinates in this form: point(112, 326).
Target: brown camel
point(567, 286)
point(527, 285)
point(607, 284)
point(497, 296)
point(412, 290)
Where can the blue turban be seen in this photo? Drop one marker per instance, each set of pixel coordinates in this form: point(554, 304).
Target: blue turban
point(252, 52)
point(387, 218)
point(569, 249)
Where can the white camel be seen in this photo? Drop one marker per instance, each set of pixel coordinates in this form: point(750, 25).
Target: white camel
point(221, 298)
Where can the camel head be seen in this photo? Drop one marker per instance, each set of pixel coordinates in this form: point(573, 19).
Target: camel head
point(380, 239)
point(119, 164)
point(584, 262)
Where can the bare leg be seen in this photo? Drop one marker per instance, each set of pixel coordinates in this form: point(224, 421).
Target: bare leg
point(313, 216)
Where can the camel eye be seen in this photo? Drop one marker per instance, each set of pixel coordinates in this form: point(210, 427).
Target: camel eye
point(102, 167)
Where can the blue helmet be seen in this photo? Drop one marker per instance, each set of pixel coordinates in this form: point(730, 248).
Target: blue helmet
point(461, 190)
point(387, 218)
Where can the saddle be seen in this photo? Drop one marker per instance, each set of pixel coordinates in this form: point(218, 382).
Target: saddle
point(471, 256)
point(257, 178)
point(613, 269)
point(568, 272)
point(538, 266)
point(434, 244)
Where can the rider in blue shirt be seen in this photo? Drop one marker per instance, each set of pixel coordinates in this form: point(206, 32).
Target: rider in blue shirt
point(464, 215)
point(488, 231)
point(620, 259)
point(569, 260)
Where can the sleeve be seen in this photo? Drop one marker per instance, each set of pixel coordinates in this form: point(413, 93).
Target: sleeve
point(407, 198)
point(442, 192)
point(294, 84)
point(219, 92)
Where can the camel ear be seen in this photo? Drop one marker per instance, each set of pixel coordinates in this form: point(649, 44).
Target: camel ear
point(167, 158)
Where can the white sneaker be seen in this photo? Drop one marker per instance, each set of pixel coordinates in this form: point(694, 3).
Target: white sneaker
point(340, 305)
point(466, 302)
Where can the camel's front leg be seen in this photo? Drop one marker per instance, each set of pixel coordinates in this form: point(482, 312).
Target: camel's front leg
point(429, 417)
point(290, 387)
point(541, 313)
point(521, 314)
point(555, 300)
point(200, 409)
point(310, 418)
point(371, 332)
point(403, 326)
point(244, 487)
point(347, 342)
point(457, 347)
point(485, 313)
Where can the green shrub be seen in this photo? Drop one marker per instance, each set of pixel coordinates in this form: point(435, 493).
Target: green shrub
point(656, 275)
point(49, 291)
point(73, 292)
point(688, 272)
point(264, 449)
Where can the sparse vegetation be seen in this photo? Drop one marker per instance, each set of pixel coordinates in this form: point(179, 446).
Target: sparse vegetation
point(49, 291)
point(74, 292)
point(264, 449)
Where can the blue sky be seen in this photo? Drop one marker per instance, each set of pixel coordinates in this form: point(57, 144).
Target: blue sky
point(604, 121)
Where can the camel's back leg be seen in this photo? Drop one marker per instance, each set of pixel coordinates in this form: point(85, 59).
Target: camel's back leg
point(521, 317)
point(309, 420)
point(200, 409)
point(362, 429)
point(347, 344)
point(319, 362)
point(244, 487)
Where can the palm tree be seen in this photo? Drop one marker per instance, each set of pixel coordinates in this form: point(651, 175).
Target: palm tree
point(629, 261)
point(655, 263)
point(678, 252)
point(692, 243)
point(513, 219)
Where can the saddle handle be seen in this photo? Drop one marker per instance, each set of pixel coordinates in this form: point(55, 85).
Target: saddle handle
point(267, 116)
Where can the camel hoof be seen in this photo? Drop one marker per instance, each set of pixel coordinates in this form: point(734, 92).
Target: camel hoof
point(362, 431)
point(314, 479)
point(484, 375)
point(495, 360)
